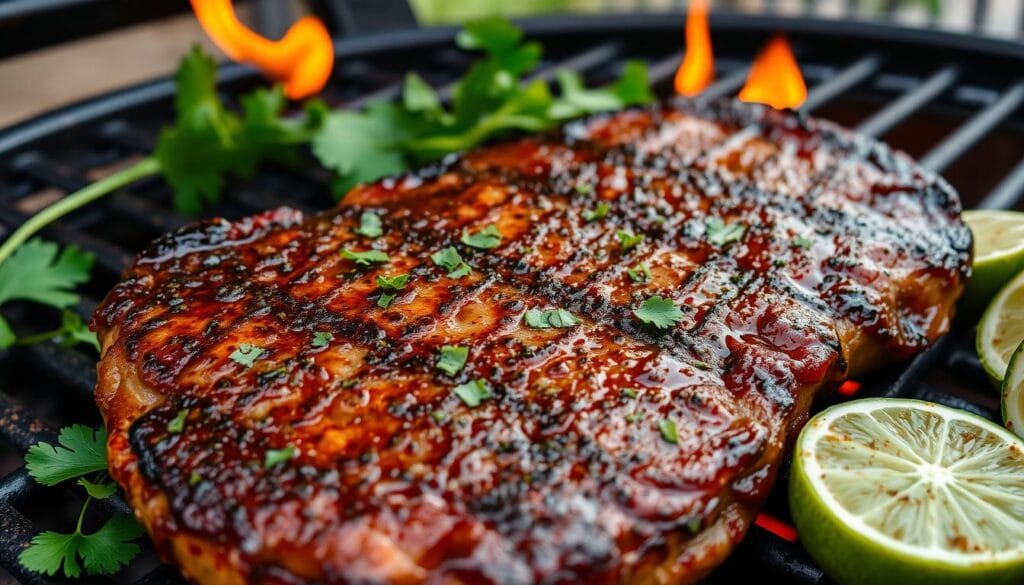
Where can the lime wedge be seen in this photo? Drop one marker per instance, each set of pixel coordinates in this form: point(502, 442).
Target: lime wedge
point(891, 491)
point(1001, 329)
point(998, 253)
point(1013, 393)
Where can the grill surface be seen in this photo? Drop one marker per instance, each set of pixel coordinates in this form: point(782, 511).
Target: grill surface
point(949, 100)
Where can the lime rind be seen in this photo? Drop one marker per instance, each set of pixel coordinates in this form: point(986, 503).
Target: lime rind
point(860, 513)
point(1013, 393)
point(1001, 329)
point(998, 253)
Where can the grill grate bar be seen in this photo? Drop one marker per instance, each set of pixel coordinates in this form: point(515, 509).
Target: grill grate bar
point(850, 76)
point(976, 128)
point(910, 102)
point(16, 531)
point(727, 85)
point(1007, 193)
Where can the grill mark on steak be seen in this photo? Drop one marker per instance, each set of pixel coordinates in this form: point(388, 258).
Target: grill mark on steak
point(561, 475)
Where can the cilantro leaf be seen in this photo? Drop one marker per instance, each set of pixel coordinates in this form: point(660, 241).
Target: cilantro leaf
point(208, 141)
point(639, 273)
point(321, 338)
point(108, 549)
point(369, 225)
point(37, 272)
point(397, 282)
point(669, 432)
point(246, 354)
point(720, 233)
point(365, 258)
point(485, 239)
point(453, 359)
point(103, 552)
point(52, 552)
point(449, 259)
point(558, 318)
point(392, 284)
point(177, 424)
point(598, 212)
point(100, 491)
point(628, 240)
point(362, 146)
point(275, 456)
point(73, 331)
point(802, 242)
point(659, 312)
point(473, 393)
point(575, 99)
point(80, 450)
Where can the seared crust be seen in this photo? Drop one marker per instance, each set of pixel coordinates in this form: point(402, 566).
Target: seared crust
point(850, 255)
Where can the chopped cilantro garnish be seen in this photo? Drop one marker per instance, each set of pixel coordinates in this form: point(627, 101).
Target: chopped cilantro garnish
point(246, 354)
point(390, 284)
point(485, 239)
point(668, 431)
point(720, 233)
point(449, 259)
point(369, 225)
point(598, 212)
point(633, 417)
point(659, 312)
point(275, 456)
point(321, 338)
point(194, 479)
point(453, 359)
point(176, 424)
point(473, 393)
point(584, 188)
point(629, 393)
point(639, 272)
point(628, 240)
point(547, 319)
point(365, 258)
point(802, 242)
point(397, 282)
point(437, 415)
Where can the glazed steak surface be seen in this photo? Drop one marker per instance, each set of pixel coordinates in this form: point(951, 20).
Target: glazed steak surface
point(272, 422)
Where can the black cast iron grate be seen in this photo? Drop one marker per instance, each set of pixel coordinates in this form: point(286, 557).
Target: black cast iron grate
point(952, 101)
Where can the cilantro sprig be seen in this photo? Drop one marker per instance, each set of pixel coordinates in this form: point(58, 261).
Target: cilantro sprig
point(658, 312)
point(490, 100)
point(39, 272)
point(80, 452)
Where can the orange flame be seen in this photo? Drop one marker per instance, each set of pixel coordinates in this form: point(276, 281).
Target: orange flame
point(302, 59)
point(697, 70)
point(775, 78)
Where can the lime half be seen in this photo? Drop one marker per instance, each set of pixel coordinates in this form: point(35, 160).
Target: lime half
point(1013, 393)
point(887, 491)
point(1002, 329)
point(998, 252)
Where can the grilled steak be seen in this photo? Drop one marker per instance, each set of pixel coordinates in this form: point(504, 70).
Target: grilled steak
point(274, 419)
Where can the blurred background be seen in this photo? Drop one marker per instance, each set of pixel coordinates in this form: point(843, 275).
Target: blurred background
point(43, 79)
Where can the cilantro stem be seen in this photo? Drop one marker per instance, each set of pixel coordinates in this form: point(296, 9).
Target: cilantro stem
point(88, 194)
point(38, 337)
point(81, 515)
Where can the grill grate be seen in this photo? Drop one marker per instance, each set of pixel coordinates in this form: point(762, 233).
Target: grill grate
point(886, 82)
